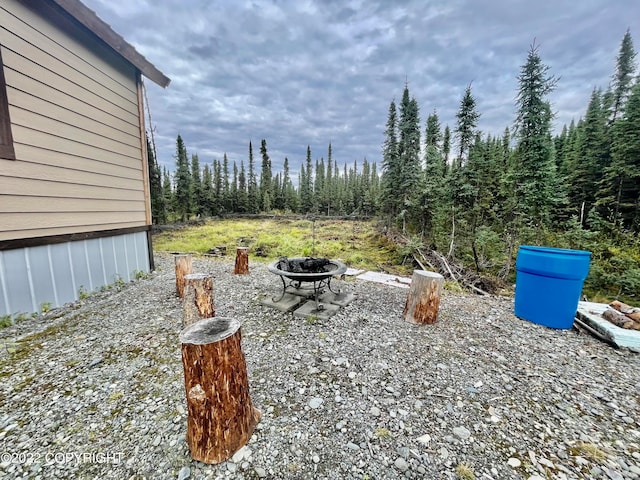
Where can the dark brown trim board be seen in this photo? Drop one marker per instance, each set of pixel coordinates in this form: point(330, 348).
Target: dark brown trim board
point(72, 237)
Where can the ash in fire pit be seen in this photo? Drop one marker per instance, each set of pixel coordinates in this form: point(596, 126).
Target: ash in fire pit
point(304, 265)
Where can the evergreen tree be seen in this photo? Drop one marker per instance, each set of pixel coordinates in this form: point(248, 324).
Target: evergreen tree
point(183, 181)
point(319, 187)
point(226, 200)
point(287, 187)
point(208, 197)
point(619, 192)
point(623, 77)
point(167, 192)
point(266, 191)
point(466, 128)
point(329, 184)
point(217, 188)
point(391, 169)
point(408, 148)
point(234, 188)
point(432, 200)
point(534, 173)
point(252, 186)
point(196, 186)
point(302, 188)
point(243, 200)
point(591, 159)
point(446, 145)
point(158, 205)
point(306, 187)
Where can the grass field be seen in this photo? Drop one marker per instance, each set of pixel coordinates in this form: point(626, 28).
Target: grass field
point(355, 242)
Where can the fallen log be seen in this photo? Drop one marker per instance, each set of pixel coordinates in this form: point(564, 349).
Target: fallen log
point(221, 417)
point(632, 312)
point(620, 320)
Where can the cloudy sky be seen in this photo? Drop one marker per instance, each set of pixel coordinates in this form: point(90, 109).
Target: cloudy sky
point(310, 72)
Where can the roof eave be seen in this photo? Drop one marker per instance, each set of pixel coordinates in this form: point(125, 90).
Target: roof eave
point(90, 20)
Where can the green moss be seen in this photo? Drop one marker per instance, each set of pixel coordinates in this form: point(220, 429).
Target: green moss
point(357, 243)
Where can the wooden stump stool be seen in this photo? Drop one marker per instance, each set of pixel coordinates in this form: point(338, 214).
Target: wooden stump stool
point(197, 302)
point(423, 299)
point(221, 416)
point(183, 267)
point(242, 260)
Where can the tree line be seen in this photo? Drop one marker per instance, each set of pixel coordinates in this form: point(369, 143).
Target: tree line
point(472, 195)
point(222, 187)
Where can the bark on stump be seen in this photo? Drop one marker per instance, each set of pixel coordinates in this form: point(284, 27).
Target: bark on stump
point(242, 260)
point(183, 267)
point(197, 302)
point(423, 299)
point(221, 417)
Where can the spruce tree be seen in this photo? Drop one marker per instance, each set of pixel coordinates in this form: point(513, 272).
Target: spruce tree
point(234, 189)
point(266, 191)
point(446, 145)
point(619, 192)
point(290, 200)
point(306, 187)
point(465, 131)
point(218, 208)
point(534, 173)
point(242, 190)
point(432, 202)
point(208, 200)
point(158, 205)
point(591, 159)
point(197, 203)
point(391, 170)
point(253, 199)
point(167, 193)
point(623, 77)
point(183, 182)
point(329, 183)
point(226, 200)
point(408, 148)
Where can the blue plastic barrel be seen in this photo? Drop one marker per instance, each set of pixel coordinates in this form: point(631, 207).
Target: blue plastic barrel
point(548, 284)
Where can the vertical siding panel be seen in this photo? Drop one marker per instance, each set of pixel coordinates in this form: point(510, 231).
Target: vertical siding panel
point(17, 282)
point(52, 276)
point(102, 265)
point(6, 307)
point(132, 257)
point(108, 259)
point(73, 275)
point(94, 263)
point(32, 297)
point(122, 264)
point(40, 277)
point(64, 276)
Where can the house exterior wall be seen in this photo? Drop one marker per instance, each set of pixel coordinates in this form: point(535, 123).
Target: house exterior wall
point(77, 129)
point(55, 274)
point(74, 203)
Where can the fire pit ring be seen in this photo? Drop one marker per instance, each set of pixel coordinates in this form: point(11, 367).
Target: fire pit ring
point(320, 278)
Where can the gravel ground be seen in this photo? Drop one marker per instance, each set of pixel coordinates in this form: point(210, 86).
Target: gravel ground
point(95, 390)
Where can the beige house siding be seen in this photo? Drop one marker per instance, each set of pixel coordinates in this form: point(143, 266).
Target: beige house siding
point(77, 126)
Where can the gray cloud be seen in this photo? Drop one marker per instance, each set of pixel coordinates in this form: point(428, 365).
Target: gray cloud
point(314, 72)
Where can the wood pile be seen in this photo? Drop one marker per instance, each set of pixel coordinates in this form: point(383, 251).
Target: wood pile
point(455, 272)
point(429, 259)
point(623, 315)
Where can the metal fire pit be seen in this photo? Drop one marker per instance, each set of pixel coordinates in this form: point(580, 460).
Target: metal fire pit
point(320, 280)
